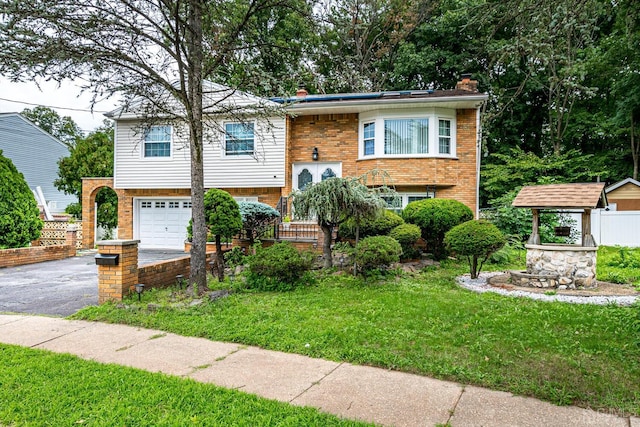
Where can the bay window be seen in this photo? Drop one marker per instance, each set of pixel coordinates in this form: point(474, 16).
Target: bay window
point(407, 134)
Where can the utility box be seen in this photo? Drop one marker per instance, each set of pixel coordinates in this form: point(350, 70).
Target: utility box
point(107, 259)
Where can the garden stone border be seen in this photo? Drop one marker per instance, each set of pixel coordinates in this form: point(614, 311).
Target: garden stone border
point(481, 285)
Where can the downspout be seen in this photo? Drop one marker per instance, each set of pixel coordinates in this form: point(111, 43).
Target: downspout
point(478, 157)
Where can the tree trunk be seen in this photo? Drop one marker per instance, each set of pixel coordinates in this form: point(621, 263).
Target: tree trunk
point(326, 245)
point(219, 258)
point(474, 266)
point(198, 274)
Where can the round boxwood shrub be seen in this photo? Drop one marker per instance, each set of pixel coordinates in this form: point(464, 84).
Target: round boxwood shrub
point(280, 267)
point(435, 217)
point(20, 221)
point(407, 235)
point(377, 253)
point(380, 225)
point(476, 240)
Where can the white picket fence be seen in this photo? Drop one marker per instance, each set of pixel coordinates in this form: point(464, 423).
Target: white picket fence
point(610, 228)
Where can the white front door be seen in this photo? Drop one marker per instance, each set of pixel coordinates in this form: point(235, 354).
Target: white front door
point(308, 173)
point(162, 223)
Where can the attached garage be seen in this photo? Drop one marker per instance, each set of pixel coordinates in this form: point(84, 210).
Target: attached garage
point(162, 223)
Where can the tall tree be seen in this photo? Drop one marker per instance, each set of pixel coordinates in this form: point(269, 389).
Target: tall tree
point(154, 53)
point(47, 119)
point(360, 41)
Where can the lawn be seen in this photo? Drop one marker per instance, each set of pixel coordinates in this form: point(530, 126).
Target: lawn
point(424, 323)
point(42, 388)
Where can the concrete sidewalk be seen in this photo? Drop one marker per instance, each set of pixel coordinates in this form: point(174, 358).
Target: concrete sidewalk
point(353, 392)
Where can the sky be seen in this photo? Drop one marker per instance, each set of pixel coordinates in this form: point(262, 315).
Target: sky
point(66, 99)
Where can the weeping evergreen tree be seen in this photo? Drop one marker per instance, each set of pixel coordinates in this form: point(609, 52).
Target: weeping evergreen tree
point(333, 201)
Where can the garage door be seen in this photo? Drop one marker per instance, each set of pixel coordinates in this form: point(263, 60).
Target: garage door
point(162, 223)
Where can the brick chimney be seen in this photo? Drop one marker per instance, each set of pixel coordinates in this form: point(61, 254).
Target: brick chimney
point(467, 84)
point(302, 92)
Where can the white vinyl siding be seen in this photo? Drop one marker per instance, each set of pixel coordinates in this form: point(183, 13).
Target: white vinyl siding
point(265, 168)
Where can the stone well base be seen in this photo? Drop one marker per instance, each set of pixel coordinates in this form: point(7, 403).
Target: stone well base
point(559, 266)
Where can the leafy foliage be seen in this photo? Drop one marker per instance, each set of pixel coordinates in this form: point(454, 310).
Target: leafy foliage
point(379, 225)
point(407, 235)
point(435, 217)
point(90, 157)
point(332, 202)
point(20, 221)
point(376, 253)
point(47, 119)
point(476, 240)
point(223, 219)
point(256, 218)
point(280, 267)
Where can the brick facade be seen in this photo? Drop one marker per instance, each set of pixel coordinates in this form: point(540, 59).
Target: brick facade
point(336, 137)
point(35, 254)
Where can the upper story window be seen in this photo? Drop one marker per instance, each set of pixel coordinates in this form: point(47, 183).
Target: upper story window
point(406, 136)
point(369, 138)
point(403, 133)
point(444, 136)
point(239, 139)
point(157, 142)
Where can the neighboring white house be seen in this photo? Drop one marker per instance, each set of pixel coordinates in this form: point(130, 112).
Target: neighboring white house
point(35, 154)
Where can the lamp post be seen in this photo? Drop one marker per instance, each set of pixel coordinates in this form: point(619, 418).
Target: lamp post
point(139, 289)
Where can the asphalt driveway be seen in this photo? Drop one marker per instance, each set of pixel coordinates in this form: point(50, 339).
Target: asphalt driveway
point(59, 288)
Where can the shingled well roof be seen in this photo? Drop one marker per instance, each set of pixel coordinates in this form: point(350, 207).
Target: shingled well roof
point(564, 196)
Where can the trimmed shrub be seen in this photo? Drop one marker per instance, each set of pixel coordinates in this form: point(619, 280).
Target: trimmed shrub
point(256, 218)
point(278, 268)
point(222, 216)
point(407, 235)
point(476, 240)
point(381, 225)
point(377, 253)
point(435, 217)
point(20, 221)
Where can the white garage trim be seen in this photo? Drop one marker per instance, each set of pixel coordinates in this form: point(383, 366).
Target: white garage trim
point(161, 222)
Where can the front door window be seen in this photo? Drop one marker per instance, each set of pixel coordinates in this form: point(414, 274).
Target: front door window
point(308, 173)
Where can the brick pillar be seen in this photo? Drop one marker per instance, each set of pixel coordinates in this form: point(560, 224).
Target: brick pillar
point(71, 238)
point(116, 281)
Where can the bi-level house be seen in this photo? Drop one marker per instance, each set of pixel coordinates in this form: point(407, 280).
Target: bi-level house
point(426, 141)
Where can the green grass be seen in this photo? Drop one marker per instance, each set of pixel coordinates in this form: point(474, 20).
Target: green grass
point(619, 265)
point(40, 388)
point(567, 354)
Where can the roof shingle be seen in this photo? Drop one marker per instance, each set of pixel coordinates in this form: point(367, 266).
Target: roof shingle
point(571, 196)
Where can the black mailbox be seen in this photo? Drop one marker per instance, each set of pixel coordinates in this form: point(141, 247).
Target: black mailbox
point(107, 259)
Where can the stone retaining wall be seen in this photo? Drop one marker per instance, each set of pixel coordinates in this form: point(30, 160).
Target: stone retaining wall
point(561, 266)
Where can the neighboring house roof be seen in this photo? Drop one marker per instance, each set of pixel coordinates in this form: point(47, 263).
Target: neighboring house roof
point(565, 196)
point(35, 153)
point(619, 184)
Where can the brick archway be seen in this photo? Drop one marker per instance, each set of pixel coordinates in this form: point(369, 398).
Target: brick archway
point(90, 188)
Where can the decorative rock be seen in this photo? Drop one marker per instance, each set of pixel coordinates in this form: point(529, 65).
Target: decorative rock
point(562, 287)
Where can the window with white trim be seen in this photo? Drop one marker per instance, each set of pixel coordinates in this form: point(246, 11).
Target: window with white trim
point(403, 133)
point(157, 141)
point(239, 139)
point(444, 136)
point(369, 138)
point(406, 136)
point(397, 204)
